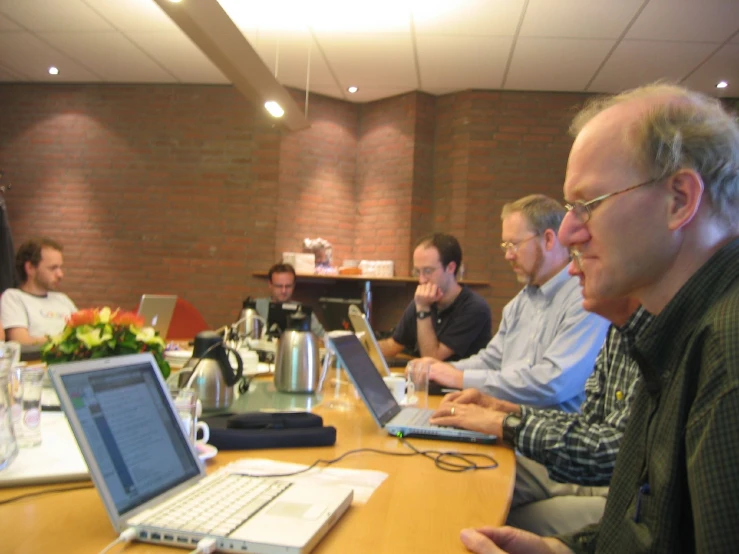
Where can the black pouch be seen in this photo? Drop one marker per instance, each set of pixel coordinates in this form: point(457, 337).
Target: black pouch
point(268, 430)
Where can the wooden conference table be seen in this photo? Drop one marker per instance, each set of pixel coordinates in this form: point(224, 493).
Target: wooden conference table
point(418, 508)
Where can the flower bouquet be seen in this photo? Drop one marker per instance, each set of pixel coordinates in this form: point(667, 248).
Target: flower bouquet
point(98, 333)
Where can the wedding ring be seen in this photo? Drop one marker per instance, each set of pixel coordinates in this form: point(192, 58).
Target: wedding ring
point(452, 412)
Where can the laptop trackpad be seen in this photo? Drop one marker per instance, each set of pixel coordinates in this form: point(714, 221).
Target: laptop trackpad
point(296, 510)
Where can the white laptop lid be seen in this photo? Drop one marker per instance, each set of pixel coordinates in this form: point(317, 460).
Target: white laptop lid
point(157, 310)
point(128, 431)
point(368, 339)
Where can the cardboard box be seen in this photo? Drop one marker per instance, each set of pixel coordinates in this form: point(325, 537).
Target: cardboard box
point(303, 263)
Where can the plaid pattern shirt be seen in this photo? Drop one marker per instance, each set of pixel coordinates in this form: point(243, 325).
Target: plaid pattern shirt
point(675, 487)
point(581, 448)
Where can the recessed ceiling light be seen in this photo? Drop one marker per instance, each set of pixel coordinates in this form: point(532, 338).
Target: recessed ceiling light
point(175, 1)
point(53, 71)
point(274, 108)
point(722, 84)
point(352, 90)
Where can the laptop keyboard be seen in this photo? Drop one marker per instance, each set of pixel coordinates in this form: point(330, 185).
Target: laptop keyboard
point(413, 417)
point(218, 508)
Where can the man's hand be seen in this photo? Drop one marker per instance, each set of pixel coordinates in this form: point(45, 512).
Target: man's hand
point(446, 375)
point(469, 416)
point(474, 396)
point(426, 294)
point(509, 540)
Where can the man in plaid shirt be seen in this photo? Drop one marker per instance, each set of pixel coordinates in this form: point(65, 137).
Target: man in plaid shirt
point(566, 459)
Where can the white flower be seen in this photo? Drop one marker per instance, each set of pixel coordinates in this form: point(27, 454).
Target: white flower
point(93, 336)
point(148, 335)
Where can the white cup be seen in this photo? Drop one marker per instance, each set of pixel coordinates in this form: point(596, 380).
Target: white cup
point(186, 404)
point(396, 384)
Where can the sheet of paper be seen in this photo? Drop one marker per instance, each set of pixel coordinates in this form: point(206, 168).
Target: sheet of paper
point(55, 460)
point(363, 481)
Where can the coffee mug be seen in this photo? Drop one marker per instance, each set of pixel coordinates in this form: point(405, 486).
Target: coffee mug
point(396, 384)
point(186, 404)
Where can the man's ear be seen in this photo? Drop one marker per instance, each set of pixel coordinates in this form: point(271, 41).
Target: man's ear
point(451, 268)
point(550, 239)
point(685, 192)
point(28, 266)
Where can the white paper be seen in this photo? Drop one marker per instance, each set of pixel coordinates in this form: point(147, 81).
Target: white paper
point(363, 481)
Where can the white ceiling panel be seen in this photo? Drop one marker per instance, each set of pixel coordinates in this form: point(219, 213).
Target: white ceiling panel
point(7, 74)
point(467, 17)
point(110, 55)
point(53, 15)
point(471, 62)
point(555, 64)
point(7, 25)
point(578, 18)
point(722, 66)
point(26, 54)
point(175, 51)
point(133, 15)
point(637, 62)
point(289, 54)
point(687, 20)
point(370, 60)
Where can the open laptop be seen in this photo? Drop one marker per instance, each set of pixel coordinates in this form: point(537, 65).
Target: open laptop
point(145, 468)
point(387, 413)
point(157, 310)
point(367, 337)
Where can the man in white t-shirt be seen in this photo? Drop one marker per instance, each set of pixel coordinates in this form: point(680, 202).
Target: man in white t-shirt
point(35, 310)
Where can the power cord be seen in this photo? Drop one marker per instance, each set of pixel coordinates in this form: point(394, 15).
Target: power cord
point(40, 493)
point(456, 462)
point(205, 546)
point(125, 537)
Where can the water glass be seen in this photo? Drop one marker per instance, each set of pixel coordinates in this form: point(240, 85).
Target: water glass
point(8, 444)
point(186, 404)
point(417, 383)
point(25, 386)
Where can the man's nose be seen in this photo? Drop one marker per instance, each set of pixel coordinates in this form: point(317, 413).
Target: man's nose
point(572, 231)
point(510, 254)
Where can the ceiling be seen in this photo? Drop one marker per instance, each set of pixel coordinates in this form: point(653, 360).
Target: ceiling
point(388, 47)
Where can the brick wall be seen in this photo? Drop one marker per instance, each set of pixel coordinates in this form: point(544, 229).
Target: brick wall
point(188, 189)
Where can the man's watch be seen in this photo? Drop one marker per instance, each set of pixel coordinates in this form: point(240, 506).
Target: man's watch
point(511, 426)
point(423, 315)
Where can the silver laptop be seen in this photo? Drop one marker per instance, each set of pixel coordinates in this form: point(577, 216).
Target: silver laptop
point(387, 413)
point(367, 337)
point(149, 476)
point(157, 310)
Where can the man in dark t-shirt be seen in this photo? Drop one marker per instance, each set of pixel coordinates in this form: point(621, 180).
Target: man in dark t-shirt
point(445, 320)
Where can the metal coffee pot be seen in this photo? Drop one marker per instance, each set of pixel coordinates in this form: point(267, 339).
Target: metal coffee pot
point(251, 326)
point(297, 368)
point(210, 372)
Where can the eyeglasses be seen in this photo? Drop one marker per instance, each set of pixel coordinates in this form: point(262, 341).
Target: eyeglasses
point(425, 271)
point(506, 246)
point(583, 210)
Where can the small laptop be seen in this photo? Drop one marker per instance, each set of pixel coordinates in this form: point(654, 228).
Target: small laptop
point(387, 413)
point(149, 476)
point(367, 337)
point(157, 310)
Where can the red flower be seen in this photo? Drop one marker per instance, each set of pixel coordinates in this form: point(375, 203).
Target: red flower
point(82, 317)
point(127, 318)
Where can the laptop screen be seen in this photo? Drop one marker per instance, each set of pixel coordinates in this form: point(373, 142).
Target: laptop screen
point(368, 381)
point(134, 436)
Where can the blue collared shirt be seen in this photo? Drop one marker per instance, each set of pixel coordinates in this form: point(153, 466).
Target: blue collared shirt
point(544, 350)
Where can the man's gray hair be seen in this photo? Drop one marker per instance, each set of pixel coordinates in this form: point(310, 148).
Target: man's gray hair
point(541, 212)
point(685, 130)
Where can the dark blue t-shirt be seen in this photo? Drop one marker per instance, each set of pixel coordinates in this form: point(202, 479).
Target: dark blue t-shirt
point(465, 326)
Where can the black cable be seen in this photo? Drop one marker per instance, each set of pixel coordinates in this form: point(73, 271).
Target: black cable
point(465, 460)
point(47, 491)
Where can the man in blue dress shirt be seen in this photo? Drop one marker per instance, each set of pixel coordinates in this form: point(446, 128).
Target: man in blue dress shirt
point(546, 345)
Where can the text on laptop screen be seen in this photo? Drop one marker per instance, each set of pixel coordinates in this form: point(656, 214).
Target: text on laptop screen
point(142, 452)
point(358, 363)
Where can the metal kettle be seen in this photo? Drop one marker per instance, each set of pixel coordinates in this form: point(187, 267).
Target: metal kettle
point(210, 372)
point(251, 325)
point(297, 368)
